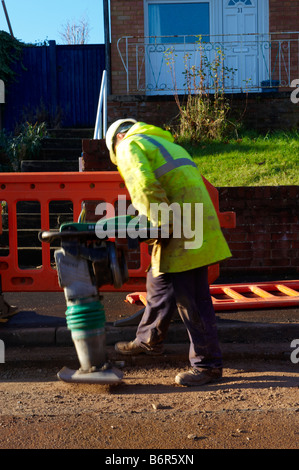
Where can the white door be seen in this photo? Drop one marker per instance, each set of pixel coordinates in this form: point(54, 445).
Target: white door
point(241, 46)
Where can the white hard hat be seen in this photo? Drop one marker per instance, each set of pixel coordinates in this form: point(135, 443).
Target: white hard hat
point(112, 131)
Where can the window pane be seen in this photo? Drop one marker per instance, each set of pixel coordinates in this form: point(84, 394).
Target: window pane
point(169, 19)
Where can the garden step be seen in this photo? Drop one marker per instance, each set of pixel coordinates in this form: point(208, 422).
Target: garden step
point(62, 142)
point(71, 133)
point(59, 154)
point(49, 165)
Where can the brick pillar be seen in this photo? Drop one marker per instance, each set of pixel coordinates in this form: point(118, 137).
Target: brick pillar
point(95, 156)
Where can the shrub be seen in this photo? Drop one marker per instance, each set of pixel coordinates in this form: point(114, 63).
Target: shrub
point(10, 53)
point(204, 114)
point(25, 145)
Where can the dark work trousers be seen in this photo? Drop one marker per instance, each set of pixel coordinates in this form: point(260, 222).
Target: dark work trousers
point(189, 292)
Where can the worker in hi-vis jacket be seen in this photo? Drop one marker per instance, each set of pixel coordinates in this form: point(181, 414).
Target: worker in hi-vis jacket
point(159, 173)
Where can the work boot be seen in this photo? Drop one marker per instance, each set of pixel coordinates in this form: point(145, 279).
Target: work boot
point(198, 376)
point(133, 349)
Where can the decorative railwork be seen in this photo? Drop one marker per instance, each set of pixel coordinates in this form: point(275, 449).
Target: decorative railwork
point(271, 60)
point(233, 3)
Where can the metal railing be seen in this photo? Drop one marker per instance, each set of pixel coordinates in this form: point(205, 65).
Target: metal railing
point(101, 118)
point(250, 62)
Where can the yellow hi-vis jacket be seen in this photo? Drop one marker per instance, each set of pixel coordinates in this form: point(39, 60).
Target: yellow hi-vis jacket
point(155, 171)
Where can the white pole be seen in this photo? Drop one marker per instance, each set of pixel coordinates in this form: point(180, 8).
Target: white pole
point(105, 107)
point(98, 132)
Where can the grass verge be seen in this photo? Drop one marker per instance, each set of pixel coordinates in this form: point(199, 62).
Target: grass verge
point(251, 160)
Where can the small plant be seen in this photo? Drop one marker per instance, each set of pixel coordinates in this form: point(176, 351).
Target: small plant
point(204, 115)
point(25, 145)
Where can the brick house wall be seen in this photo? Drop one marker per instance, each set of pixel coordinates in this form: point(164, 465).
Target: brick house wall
point(127, 19)
point(283, 15)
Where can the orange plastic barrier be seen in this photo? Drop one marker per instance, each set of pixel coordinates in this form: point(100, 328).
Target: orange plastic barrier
point(76, 187)
point(245, 296)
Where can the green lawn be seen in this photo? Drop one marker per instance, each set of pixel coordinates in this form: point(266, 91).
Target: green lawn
point(251, 160)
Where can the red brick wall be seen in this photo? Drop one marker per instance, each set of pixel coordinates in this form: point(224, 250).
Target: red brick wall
point(127, 19)
point(261, 111)
point(265, 242)
point(283, 15)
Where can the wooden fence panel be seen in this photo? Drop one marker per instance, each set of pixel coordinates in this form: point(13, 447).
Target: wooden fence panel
point(56, 83)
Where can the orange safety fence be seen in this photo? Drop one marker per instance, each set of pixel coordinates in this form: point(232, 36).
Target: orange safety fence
point(44, 189)
point(245, 296)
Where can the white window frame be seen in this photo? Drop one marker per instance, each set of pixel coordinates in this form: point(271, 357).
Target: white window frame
point(214, 10)
point(216, 14)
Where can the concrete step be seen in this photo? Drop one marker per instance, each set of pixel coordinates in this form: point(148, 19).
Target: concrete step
point(61, 154)
point(85, 133)
point(62, 142)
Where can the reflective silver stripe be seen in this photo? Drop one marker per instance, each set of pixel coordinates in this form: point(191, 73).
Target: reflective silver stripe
point(171, 163)
point(162, 170)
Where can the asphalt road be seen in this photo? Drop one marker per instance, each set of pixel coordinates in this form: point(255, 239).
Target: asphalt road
point(254, 407)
